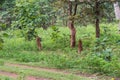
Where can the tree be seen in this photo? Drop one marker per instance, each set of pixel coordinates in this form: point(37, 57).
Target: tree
point(117, 13)
point(30, 14)
point(97, 10)
point(72, 12)
point(92, 10)
point(7, 11)
point(1, 2)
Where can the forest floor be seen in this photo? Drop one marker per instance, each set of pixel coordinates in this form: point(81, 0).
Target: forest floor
point(17, 71)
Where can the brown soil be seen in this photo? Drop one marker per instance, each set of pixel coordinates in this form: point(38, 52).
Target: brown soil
point(9, 74)
point(15, 76)
point(33, 78)
point(38, 68)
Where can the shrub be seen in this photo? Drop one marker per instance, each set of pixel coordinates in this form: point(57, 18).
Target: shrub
point(97, 64)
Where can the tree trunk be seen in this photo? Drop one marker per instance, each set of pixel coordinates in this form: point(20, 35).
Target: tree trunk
point(97, 19)
point(71, 23)
point(72, 34)
point(38, 42)
point(97, 28)
point(117, 13)
point(119, 27)
point(80, 48)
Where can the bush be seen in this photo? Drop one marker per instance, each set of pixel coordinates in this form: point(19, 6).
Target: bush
point(99, 64)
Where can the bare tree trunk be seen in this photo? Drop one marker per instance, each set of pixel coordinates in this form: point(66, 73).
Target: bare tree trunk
point(97, 28)
point(71, 24)
point(72, 34)
point(97, 19)
point(119, 27)
point(117, 13)
point(80, 47)
point(38, 42)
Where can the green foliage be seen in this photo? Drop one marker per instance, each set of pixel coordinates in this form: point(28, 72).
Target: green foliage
point(30, 15)
point(1, 43)
point(58, 54)
point(18, 44)
point(1, 62)
point(102, 48)
point(5, 78)
point(2, 26)
point(6, 14)
point(59, 38)
point(86, 11)
point(1, 39)
point(1, 2)
point(55, 35)
point(21, 76)
point(98, 64)
point(30, 34)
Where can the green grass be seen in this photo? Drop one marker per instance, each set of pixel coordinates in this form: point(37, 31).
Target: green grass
point(41, 73)
point(5, 78)
point(58, 54)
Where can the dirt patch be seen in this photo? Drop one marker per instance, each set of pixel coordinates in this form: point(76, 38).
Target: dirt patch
point(9, 74)
point(35, 78)
point(37, 68)
point(15, 76)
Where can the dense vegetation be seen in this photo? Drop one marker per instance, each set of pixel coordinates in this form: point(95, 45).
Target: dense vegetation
point(23, 20)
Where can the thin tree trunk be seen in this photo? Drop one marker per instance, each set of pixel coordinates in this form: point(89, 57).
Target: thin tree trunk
point(97, 29)
point(71, 24)
point(80, 47)
point(38, 42)
point(119, 27)
point(117, 13)
point(97, 20)
point(72, 34)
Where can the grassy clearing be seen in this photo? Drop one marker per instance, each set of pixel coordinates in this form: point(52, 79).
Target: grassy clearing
point(57, 53)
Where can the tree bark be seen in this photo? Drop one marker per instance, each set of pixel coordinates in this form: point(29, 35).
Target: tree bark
point(117, 13)
point(80, 47)
point(72, 34)
point(97, 29)
point(71, 24)
point(38, 42)
point(97, 13)
point(119, 27)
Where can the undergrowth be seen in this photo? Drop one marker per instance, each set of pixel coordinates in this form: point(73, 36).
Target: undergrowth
point(99, 55)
